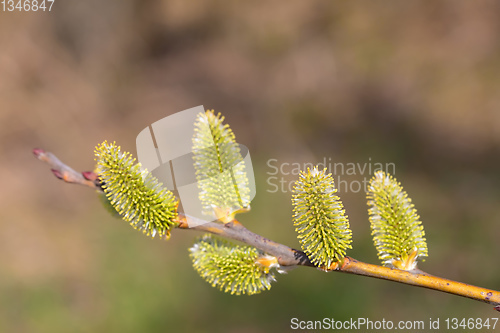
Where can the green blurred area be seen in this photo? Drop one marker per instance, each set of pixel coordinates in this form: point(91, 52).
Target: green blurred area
point(413, 83)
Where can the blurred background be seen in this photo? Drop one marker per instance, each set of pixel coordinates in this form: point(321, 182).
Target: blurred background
point(413, 83)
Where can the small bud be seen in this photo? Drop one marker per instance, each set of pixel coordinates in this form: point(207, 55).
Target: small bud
point(37, 151)
point(57, 173)
point(268, 262)
point(89, 175)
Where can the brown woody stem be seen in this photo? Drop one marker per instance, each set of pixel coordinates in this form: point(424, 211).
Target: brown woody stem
point(288, 256)
point(236, 231)
point(421, 279)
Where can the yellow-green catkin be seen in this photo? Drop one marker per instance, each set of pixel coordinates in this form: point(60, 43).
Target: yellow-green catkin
point(319, 218)
point(220, 170)
point(397, 231)
point(134, 193)
point(233, 269)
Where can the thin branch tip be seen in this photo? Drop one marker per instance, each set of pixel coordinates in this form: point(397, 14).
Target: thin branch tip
point(66, 173)
point(37, 152)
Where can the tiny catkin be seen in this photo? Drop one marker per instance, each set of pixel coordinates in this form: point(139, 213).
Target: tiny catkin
point(231, 268)
point(220, 170)
point(320, 219)
point(134, 193)
point(397, 231)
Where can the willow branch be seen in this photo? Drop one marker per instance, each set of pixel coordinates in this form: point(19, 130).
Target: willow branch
point(288, 256)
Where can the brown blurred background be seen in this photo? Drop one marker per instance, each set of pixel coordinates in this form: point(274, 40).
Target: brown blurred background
point(414, 83)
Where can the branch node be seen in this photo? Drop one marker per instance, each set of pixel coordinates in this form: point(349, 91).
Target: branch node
point(58, 174)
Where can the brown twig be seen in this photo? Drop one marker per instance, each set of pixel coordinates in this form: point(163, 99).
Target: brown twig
point(236, 231)
point(288, 256)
